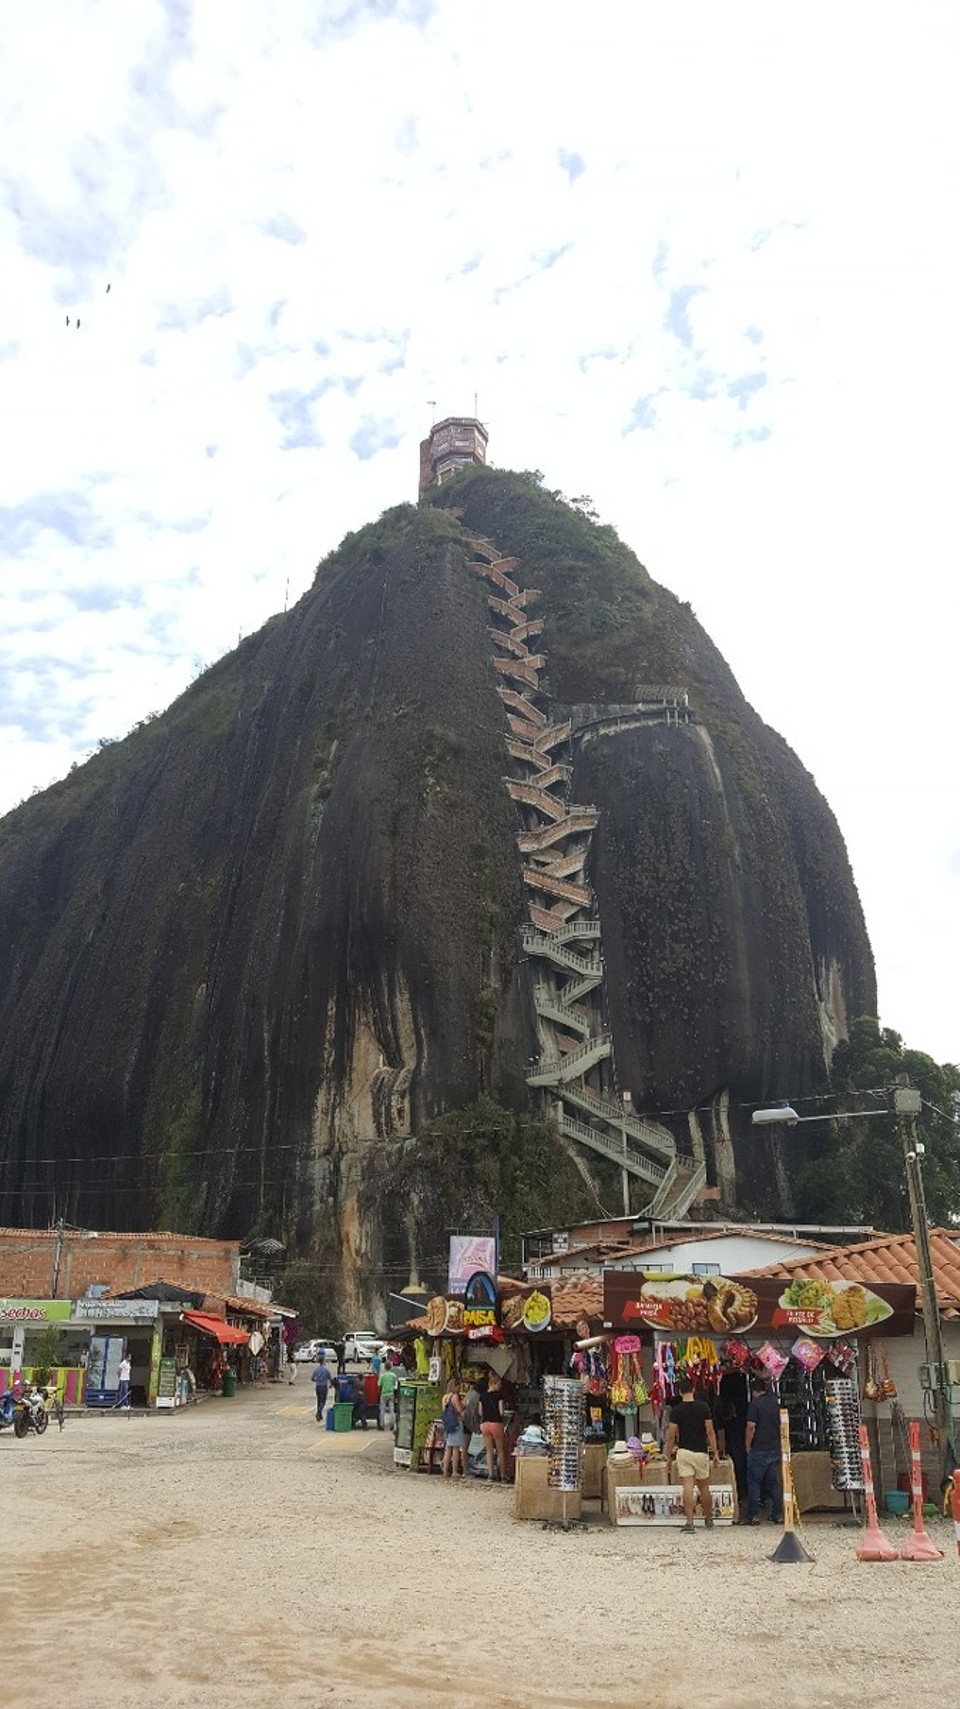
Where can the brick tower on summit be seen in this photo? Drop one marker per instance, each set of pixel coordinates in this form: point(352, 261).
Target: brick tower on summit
point(451, 445)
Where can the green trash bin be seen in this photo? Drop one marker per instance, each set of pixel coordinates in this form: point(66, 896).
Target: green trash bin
point(343, 1415)
point(229, 1384)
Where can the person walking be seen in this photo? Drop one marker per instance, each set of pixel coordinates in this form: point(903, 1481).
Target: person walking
point(340, 1348)
point(123, 1375)
point(763, 1454)
point(471, 1412)
point(452, 1420)
point(388, 1388)
point(291, 1367)
point(692, 1441)
point(321, 1377)
point(491, 1428)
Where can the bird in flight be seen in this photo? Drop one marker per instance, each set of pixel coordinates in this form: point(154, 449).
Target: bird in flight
point(68, 320)
point(105, 293)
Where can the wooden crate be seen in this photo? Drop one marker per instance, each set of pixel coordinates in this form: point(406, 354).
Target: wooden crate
point(594, 1465)
point(531, 1497)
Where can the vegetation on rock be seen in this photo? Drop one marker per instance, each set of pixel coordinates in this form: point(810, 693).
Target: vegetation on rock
point(253, 954)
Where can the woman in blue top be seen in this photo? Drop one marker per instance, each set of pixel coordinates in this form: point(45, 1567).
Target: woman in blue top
point(452, 1421)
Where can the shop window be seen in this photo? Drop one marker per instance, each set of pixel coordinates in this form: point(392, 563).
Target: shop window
point(706, 1269)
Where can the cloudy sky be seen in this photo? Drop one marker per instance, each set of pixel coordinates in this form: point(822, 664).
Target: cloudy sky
point(699, 262)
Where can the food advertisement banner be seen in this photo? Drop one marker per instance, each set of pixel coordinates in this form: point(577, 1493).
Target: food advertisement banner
point(725, 1306)
point(481, 1317)
point(530, 1310)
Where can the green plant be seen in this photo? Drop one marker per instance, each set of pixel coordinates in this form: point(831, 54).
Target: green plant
point(48, 1355)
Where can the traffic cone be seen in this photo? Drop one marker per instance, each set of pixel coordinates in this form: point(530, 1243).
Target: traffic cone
point(919, 1546)
point(874, 1546)
point(789, 1550)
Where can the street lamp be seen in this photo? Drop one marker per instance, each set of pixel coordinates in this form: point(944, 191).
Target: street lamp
point(906, 1106)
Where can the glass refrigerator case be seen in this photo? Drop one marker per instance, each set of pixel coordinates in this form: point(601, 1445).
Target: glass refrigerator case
point(418, 1404)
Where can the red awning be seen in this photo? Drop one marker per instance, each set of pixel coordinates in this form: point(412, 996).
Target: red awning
point(215, 1326)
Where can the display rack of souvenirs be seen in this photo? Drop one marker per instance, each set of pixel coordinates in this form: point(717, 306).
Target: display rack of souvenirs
point(627, 1388)
point(797, 1394)
point(843, 1426)
point(696, 1357)
point(563, 1427)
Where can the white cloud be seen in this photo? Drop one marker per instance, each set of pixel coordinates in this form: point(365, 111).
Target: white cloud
point(693, 264)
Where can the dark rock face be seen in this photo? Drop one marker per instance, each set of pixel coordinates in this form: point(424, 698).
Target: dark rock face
point(272, 933)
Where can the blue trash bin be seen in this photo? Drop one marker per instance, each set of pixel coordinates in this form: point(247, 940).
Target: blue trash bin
point(329, 1418)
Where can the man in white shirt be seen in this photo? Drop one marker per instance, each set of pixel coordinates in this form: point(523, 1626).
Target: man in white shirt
point(123, 1397)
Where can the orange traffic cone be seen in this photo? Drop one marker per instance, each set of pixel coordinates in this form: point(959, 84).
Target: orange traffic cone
point(955, 1507)
point(874, 1546)
point(919, 1546)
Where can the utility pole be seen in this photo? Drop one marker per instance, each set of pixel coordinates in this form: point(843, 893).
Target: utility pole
point(625, 1103)
point(906, 1103)
point(59, 1227)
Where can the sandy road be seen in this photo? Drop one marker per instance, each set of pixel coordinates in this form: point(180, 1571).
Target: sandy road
point(240, 1553)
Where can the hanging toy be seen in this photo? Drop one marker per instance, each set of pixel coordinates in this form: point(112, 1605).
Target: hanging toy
point(736, 1354)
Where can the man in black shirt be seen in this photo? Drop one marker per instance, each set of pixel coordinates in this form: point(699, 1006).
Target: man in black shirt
point(692, 1440)
point(763, 1454)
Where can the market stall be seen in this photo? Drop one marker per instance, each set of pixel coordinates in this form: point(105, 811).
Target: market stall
point(202, 1347)
point(807, 1337)
point(495, 1326)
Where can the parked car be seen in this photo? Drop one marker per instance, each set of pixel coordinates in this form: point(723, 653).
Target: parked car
point(361, 1344)
point(307, 1351)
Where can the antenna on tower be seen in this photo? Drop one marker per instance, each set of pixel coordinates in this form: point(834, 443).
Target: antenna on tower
point(475, 415)
point(433, 405)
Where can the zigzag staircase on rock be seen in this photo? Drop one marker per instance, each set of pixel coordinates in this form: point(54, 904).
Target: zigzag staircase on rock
point(563, 934)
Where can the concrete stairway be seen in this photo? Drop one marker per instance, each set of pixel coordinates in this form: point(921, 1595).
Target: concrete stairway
point(554, 835)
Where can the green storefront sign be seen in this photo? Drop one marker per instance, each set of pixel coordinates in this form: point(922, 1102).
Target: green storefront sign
point(34, 1311)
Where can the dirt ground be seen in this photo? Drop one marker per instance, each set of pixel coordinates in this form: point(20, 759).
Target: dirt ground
point(240, 1553)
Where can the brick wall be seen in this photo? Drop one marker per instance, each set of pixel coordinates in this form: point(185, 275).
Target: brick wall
point(117, 1262)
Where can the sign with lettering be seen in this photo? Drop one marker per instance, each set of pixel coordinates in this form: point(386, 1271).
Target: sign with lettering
point(731, 1306)
point(481, 1306)
point(34, 1311)
point(167, 1382)
point(116, 1311)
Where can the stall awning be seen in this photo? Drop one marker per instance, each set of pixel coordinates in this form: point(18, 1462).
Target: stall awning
point(225, 1333)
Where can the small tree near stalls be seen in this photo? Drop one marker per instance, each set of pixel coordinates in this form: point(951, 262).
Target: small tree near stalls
point(48, 1355)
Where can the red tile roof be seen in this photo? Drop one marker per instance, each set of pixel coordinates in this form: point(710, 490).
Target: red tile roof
point(575, 1297)
point(886, 1258)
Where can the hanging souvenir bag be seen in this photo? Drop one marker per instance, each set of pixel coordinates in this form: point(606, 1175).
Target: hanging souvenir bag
point(773, 1360)
point(807, 1353)
point(871, 1387)
point(888, 1388)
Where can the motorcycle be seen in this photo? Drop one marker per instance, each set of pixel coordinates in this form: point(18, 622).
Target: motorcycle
point(8, 1410)
point(31, 1413)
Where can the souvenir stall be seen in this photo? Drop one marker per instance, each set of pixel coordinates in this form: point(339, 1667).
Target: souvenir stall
point(509, 1330)
point(200, 1345)
point(809, 1338)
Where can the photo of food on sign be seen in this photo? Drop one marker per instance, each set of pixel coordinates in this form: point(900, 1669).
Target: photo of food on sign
point(830, 1308)
point(694, 1305)
point(531, 1310)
